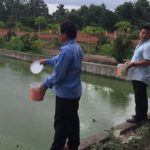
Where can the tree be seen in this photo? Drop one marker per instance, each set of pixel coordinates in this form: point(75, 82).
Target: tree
point(93, 30)
point(37, 8)
point(60, 13)
point(123, 27)
point(18, 25)
point(108, 20)
point(83, 13)
point(24, 11)
point(91, 16)
point(40, 21)
point(122, 48)
point(74, 17)
point(54, 27)
point(125, 12)
point(142, 12)
point(2, 11)
point(15, 43)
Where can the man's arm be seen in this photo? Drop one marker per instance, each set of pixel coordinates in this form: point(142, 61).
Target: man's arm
point(50, 62)
point(60, 71)
point(138, 63)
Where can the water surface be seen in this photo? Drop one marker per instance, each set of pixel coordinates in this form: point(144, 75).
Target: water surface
point(28, 125)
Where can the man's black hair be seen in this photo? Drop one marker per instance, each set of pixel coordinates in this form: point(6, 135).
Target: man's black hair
point(69, 28)
point(146, 26)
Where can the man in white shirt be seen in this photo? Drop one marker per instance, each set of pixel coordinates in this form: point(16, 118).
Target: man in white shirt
point(140, 75)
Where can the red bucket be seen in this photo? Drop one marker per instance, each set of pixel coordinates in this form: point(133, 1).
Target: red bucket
point(35, 93)
point(121, 70)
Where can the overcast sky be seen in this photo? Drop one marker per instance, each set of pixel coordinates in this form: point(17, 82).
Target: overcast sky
point(76, 4)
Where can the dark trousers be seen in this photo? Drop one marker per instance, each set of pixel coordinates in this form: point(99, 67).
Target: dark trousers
point(66, 124)
point(141, 99)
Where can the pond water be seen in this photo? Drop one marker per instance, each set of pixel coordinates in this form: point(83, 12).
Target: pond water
point(28, 125)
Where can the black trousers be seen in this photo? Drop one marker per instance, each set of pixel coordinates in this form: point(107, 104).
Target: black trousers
point(141, 99)
point(66, 124)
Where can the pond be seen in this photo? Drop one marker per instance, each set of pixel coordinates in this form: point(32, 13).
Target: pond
point(28, 125)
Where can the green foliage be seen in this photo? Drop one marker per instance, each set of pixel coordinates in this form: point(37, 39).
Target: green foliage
point(9, 35)
point(22, 11)
point(2, 43)
point(122, 48)
point(93, 30)
point(54, 27)
point(123, 26)
point(40, 20)
point(60, 14)
point(15, 43)
point(108, 20)
point(125, 12)
point(27, 29)
point(106, 49)
point(88, 48)
point(54, 43)
point(18, 25)
point(2, 25)
point(27, 42)
point(37, 46)
point(142, 12)
point(103, 40)
point(137, 141)
point(134, 142)
point(145, 130)
point(6, 38)
point(74, 17)
point(109, 143)
point(11, 11)
point(134, 35)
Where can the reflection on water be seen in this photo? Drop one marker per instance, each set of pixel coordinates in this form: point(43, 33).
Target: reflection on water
point(29, 125)
point(117, 90)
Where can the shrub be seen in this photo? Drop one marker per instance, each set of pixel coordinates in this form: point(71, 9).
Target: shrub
point(122, 48)
point(15, 43)
point(2, 25)
point(103, 40)
point(93, 30)
point(27, 42)
point(9, 35)
point(134, 35)
point(37, 46)
point(27, 29)
point(2, 43)
point(54, 43)
point(106, 49)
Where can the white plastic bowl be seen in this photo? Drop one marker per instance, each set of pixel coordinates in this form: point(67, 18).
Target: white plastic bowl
point(36, 67)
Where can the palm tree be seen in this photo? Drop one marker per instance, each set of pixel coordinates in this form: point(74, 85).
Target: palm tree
point(18, 25)
point(40, 20)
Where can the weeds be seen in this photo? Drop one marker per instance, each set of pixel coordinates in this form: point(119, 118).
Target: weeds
point(115, 143)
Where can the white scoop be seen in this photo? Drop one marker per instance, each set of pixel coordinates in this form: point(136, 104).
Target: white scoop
point(36, 67)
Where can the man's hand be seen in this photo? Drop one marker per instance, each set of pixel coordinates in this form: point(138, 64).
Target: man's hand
point(129, 64)
point(42, 61)
point(43, 89)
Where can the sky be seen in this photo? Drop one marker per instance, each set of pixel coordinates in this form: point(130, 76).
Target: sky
point(76, 4)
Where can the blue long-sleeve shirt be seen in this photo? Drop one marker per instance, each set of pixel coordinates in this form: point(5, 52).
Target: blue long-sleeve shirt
point(66, 76)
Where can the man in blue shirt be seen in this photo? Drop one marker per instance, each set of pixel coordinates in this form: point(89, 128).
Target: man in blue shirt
point(140, 75)
point(66, 80)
